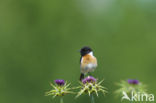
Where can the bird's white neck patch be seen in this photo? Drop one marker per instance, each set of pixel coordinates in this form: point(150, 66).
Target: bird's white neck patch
point(91, 53)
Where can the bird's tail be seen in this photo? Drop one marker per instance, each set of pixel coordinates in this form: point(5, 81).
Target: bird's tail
point(81, 76)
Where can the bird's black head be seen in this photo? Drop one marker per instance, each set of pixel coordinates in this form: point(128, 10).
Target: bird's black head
point(85, 50)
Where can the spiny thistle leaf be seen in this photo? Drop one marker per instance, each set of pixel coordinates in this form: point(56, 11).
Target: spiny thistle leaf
point(59, 89)
point(90, 85)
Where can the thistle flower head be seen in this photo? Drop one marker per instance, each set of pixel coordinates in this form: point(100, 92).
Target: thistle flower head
point(90, 85)
point(59, 82)
point(89, 79)
point(133, 81)
point(60, 88)
point(129, 86)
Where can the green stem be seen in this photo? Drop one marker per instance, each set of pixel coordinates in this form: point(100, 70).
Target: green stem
point(61, 100)
point(92, 98)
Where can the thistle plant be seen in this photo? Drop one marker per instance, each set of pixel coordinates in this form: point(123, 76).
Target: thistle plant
point(129, 86)
point(89, 85)
point(60, 88)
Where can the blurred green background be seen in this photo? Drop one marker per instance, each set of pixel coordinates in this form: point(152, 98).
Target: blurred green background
point(39, 40)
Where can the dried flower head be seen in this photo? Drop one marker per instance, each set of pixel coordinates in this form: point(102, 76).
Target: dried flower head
point(89, 85)
point(59, 89)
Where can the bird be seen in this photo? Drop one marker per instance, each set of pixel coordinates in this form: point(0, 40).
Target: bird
point(88, 61)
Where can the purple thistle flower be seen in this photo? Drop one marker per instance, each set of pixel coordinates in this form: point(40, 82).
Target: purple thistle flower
point(89, 79)
point(133, 81)
point(59, 82)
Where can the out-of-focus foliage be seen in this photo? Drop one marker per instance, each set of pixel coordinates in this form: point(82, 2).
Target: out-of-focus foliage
point(39, 40)
point(124, 86)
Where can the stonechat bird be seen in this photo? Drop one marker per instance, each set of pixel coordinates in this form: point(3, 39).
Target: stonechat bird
point(88, 61)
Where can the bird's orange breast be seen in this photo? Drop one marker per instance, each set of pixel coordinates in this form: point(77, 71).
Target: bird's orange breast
point(88, 59)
